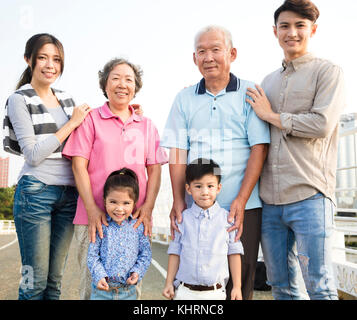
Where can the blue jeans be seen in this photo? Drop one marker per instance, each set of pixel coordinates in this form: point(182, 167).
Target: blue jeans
point(43, 217)
point(125, 292)
point(308, 224)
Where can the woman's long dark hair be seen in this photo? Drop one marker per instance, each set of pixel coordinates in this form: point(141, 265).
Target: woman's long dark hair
point(33, 45)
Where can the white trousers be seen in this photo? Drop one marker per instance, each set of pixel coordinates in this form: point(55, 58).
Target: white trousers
point(184, 293)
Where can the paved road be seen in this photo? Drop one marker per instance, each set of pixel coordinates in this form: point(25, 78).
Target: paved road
point(10, 273)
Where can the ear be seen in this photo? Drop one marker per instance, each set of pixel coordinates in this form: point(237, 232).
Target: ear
point(275, 30)
point(28, 61)
point(187, 186)
point(313, 30)
point(233, 54)
point(194, 58)
point(219, 187)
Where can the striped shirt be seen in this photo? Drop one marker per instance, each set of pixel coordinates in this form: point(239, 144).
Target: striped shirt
point(44, 125)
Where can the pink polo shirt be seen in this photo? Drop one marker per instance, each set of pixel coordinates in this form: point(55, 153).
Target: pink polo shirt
point(109, 145)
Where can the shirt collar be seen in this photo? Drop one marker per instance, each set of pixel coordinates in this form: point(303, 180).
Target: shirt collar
point(109, 219)
point(296, 63)
point(233, 85)
point(209, 213)
point(106, 113)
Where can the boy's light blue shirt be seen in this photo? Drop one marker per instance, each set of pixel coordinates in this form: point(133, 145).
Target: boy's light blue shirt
point(222, 128)
point(203, 244)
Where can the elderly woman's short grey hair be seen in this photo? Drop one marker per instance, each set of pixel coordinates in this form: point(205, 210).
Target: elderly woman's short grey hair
point(109, 66)
point(226, 33)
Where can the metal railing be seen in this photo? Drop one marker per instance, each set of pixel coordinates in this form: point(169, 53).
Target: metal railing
point(7, 227)
point(346, 269)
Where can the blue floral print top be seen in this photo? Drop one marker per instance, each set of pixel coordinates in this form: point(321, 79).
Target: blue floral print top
point(122, 251)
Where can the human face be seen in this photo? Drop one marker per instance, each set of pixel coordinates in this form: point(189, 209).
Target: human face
point(213, 56)
point(293, 33)
point(120, 86)
point(119, 205)
point(204, 191)
point(47, 66)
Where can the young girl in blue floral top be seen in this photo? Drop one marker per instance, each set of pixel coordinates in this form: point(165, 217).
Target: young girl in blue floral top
point(119, 260)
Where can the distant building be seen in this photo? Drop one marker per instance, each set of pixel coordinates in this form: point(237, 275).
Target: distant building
point(347, 160)
point(4, 172)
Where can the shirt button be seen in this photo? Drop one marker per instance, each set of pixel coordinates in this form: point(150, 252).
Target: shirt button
point(214, 108)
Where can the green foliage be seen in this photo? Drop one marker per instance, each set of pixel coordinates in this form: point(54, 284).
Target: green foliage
point(6, 203)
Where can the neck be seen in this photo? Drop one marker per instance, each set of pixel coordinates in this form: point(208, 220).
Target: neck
point(41, 90)
point(216, 85)
point(123, 111)
point(289, 57)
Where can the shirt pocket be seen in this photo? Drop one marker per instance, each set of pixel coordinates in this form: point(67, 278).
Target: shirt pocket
point(299, 101)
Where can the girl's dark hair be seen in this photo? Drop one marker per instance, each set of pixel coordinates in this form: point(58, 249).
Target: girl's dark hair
point(33, 45)
point(304, 8)
point(124, 178)
point(200, 167)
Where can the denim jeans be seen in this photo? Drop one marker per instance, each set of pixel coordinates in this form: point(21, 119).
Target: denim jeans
point(127, 292)
point(43, 217)
point(306, 226)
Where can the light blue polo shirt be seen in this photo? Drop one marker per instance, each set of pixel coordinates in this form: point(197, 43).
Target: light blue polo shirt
point(222, 128)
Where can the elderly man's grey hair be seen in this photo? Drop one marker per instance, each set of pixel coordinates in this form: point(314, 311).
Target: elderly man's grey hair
point(226, 33)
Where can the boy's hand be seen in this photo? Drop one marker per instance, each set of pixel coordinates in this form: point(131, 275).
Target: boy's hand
point(133, 279)
point(236, 294)
point(169, 292)
point(103, 285)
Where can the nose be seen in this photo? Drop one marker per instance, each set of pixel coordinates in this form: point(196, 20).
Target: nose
point(292, 32)
point(49, 63)
point(204, 190)
point(208, 57)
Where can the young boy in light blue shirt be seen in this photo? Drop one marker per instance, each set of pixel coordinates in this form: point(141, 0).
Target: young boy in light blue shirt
point(198, 264)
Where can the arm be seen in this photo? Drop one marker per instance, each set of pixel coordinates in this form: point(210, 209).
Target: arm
point(78, 115)
point(36, 151)
point(152, 190)
point(251, 176)
point(95, 265)
point(177, 166)
point(234, 261)
point(172, 267)
point(95, 215)
point(323, 116)
point(143, 260)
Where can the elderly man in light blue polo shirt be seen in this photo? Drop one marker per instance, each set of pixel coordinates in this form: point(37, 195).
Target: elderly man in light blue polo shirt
point(213, 120)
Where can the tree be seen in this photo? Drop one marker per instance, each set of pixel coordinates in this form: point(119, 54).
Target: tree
point(6, 203)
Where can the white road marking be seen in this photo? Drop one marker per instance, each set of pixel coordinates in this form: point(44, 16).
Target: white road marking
point(159, 268)
point(9, 244)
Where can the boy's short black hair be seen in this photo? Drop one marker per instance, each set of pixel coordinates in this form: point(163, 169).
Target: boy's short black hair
point(200, 167)
point(304, 8)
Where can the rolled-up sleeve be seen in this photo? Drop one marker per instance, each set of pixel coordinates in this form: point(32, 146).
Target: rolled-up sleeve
point(328, 104)
point(234, 247)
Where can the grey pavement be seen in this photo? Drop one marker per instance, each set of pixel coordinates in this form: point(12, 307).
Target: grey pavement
point(10, 265)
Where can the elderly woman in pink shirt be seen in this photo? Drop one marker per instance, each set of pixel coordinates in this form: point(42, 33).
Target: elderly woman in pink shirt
point(111, 137)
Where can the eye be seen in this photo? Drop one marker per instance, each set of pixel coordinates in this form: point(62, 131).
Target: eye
point(127, 203)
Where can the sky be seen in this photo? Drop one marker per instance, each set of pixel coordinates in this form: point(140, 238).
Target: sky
point(158, 35)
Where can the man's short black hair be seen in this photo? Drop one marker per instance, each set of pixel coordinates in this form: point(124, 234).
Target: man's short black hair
point(304, 8)
point(200, 167)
